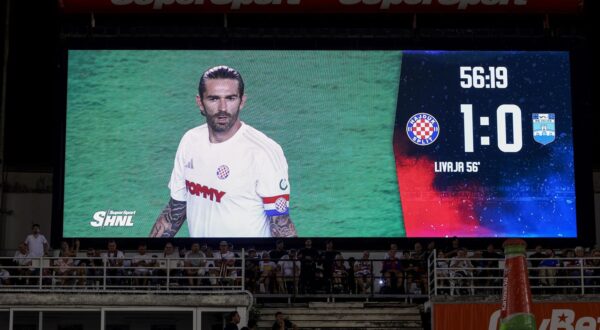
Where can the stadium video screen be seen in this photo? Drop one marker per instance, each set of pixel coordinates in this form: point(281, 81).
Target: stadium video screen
point(377, 143)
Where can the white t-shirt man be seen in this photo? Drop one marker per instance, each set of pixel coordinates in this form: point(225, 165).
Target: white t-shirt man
point(230, 188)
point(35, 244)
point(141, 268)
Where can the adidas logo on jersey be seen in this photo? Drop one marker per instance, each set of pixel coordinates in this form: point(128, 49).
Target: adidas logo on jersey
point(206, 192)
point(190, 164)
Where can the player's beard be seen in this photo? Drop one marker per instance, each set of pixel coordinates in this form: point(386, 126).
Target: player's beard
point(217, 126)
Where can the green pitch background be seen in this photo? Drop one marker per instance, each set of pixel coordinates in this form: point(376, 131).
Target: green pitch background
point(332, 112)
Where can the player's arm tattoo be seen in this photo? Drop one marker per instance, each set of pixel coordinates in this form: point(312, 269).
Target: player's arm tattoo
point(170, 219)
point(282, 226)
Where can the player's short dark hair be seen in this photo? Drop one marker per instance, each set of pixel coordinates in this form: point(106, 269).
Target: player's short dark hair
point(220, 72)
point(35, 225)
point(278, 313)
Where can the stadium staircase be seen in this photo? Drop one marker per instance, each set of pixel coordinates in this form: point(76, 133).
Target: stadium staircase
point(346, 315)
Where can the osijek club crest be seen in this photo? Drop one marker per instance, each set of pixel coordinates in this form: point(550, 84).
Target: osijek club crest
point(544, 128)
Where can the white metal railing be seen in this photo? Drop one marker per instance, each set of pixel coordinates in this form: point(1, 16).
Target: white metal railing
point(483, 276)
point(476, 276)
point(98, 273)
point(165, 275)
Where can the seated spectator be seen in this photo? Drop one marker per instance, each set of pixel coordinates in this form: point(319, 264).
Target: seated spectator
point(461, 269)
point(142, 263)
point(169, 263)
point(547, 269)
point(225, 263)
point(267, 273)
point(491, 268)
point(340, 275)
point(195, 265)
point(283, 323)
point(113, 260)
point(23, 263)
point(534, 261)
point(92, 267)
point(4, 274)
point(393, 273)
point(64, 267)
point(363, 272)
point(594, 267)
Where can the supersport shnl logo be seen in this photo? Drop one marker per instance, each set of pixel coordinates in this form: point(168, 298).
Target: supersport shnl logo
point(112, 218)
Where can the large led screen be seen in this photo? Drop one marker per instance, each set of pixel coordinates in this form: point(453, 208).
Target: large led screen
point(377, 144)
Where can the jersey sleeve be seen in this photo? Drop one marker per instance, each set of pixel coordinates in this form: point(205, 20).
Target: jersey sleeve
point(273, 185)
point(177, 182)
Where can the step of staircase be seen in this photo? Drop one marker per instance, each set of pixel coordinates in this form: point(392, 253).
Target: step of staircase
point(347, 315)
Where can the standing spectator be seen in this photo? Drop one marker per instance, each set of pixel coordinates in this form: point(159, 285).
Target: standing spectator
point(290, 271)
point(452, 250)
point(252, 325)
point(251, 272)
point(36, 243)
point(429, 250)
point(351, 279)
point(308, 257)
point(233, 319)
point(537, 256)
point(278, 252)
point(327, 260)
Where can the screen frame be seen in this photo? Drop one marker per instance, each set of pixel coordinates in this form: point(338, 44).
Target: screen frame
point(580, 91)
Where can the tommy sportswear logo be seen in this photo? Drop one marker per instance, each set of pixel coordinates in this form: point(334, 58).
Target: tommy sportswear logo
point(206, 192)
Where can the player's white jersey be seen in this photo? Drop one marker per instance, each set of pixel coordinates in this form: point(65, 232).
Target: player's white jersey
point(230, 187)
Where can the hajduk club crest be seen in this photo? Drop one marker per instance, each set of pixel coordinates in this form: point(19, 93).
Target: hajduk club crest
point(422, 129)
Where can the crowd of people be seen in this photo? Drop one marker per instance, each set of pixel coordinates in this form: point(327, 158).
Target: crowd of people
point(306, 270)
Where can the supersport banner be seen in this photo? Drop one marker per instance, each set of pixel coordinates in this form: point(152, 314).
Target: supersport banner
point(322, 6)
point(377, 143)
point(548, 315)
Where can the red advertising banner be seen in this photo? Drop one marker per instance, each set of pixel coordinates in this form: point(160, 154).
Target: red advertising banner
point(321, 6)
point(548, 315)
